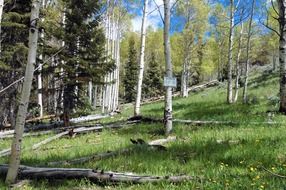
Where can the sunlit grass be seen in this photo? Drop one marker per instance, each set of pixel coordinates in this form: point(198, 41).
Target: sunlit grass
point(225, 157)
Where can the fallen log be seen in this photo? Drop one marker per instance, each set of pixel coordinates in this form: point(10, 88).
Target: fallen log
point(107, 154)
point(35, 119)
point(97, 176)
point(10, 133)
point(50, 139)
point(58, 124)
point(196, 122)
point(176, 94)
point(7, 151)
point(27, 134)
point(139, 119)
point(205, 85)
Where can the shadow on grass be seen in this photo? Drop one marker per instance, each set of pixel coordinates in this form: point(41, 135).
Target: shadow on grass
point(218, 111)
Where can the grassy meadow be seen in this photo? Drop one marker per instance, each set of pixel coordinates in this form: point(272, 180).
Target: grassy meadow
point(224, 156)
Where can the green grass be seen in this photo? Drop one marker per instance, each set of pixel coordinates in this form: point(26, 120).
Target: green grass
point(226, 157)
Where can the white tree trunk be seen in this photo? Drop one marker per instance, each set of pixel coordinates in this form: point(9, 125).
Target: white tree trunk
point(230, 48)
point(90, 92)
point(141, 62)
point(185, 78)
point(94, 101)
point(117, 65)
point(40, 84)
point(237, 64)
point(26, 90)
point(1, 13)
point(247, 54)
point(169, 72)
point(40, 87)
point(282, 54)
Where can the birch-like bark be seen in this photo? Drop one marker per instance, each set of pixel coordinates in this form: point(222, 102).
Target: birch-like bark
point(118, 65)
point(247, 54)
point(90, 92)
point(282, 54)
point(1, 13)
point(169, 72)
point(230, 48)
point(25, 95)
point(40, 85)
point(184, 88)
point(237, 64)
point(142, 57)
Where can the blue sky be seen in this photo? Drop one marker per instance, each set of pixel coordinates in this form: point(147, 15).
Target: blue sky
point(177, 23)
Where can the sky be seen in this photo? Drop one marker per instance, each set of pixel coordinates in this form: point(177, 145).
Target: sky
point(154, 19)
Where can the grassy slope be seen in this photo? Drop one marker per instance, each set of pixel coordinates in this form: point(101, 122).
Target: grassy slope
point(228, 157)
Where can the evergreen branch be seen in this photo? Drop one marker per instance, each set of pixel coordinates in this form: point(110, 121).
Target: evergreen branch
point(22, 78)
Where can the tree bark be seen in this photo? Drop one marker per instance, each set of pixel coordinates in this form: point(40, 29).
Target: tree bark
point(237, 64)
point(282, 54)
point(169, 72)
point(26, 90)
point(97, 176)
point(141, 62)
point(90, 92)
point(184, 78)
point(230, 48)
point(247, 54)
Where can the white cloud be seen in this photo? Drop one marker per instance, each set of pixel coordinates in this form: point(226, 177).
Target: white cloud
point(154, 19)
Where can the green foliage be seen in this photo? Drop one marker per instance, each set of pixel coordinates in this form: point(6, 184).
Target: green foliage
point(13, 56)
point(84, 57)
point(224, 156)
point(131, 69)
point(153, 83)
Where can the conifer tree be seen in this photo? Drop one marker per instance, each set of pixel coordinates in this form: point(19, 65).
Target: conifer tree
point(14, 40)
point(153, 85)
point(84, 52)
point(130, 79)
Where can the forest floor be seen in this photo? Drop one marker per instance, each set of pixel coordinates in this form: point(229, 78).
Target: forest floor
point(224, 156)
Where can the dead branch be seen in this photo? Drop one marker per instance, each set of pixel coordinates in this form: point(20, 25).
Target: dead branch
point(97, 176)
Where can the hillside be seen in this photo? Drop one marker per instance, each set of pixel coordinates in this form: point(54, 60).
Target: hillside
point(222, 156)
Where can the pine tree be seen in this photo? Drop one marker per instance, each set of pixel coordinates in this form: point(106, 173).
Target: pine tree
point(84, 52)
point(130, 79)
point(14, 40)
point(153, 84)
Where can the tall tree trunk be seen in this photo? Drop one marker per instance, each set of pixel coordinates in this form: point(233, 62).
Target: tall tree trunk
point(40, 85)
point(1, 13)
point(90, 92)
point(247, 54)
point(184, 78)
point(237, 64)
point(219, 63)
point(282, 54)
point(169, 72)
point(117, 65)
point(141, 62)
point(230, 48)
point(26, 90)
